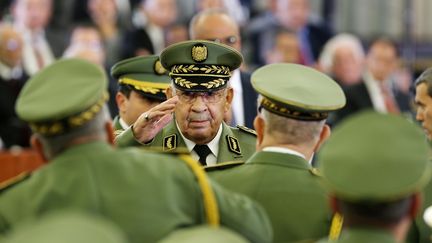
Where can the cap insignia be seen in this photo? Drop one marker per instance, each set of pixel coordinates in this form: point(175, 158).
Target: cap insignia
point(199, 53)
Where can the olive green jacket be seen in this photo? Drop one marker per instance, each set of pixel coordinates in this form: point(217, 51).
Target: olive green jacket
point(363, 236)
point(146, 194)
point(288, 189)
point(235, 143)
point(116, 124)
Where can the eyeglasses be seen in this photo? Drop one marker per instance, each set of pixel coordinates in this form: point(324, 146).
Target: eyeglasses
point(207, 97)
point(230, 40)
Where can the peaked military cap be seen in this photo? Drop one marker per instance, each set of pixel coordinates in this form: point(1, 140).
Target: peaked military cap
point(200, 65)
point(375, 157)
point(297, 91)
point(203, 234)
point(63, 96)
point(143, 74)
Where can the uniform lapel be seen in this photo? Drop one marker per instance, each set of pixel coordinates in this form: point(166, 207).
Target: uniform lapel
point(229, 146)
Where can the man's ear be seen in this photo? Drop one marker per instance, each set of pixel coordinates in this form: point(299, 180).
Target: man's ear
point(229, 98)
point(415, 205)
point(110, 132)
point(169, 92)
point(324, 135)
point(38, 146)
point(259, 125)
point(121, 101)
point(334, 204)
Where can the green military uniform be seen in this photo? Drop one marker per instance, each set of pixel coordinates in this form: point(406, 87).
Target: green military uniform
point(378, 166)
point(285, 184)
point(236, 144)
point(200, 66)
point(67, 227)
point(146, 194)
point(144, 75)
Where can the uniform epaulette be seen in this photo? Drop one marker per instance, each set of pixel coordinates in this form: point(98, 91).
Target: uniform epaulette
point(314, 171)
point(247, 129)
point(223, 166)
point(8, 184)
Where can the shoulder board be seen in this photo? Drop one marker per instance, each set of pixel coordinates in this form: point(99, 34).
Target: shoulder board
point(314, 171)
point(223, 166)
point(8, 184)
point(176, 151)
point(247, 130)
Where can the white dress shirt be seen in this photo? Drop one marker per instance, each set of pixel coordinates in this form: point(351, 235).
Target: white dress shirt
point(237, 105)
point(213, 146)
point(287, 151)
point(375, 93)
point(31, 41)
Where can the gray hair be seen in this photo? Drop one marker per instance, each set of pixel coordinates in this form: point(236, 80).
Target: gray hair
point(94, 129)
point(341, 40)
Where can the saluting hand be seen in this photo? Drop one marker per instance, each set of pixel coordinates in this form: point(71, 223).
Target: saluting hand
point(152, 121)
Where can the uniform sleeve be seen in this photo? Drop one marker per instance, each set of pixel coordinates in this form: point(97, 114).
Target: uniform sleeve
point(243, 215)
point(127, 139)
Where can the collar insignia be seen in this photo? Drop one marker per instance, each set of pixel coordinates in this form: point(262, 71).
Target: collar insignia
point(170, 142)
point(233, 144)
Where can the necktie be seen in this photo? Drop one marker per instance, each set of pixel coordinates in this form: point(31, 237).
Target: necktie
point(389, 101)
point(203, 151)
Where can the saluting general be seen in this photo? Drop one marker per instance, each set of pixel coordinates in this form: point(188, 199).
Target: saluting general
point(199, 96)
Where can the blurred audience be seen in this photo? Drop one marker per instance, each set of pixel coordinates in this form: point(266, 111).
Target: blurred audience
point(150, 23)
point(31, 17)
point(286, 48)
point(13, 131)
point(377, 91)
point(104, 15)
point(343, 58)
point(290, 14)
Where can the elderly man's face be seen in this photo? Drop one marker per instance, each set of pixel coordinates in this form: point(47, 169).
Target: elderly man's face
point(424, 108)
point(200, 114)
point(33, 14)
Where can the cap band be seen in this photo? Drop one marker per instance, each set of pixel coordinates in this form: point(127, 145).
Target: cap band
point(288, 111)
point(51, 128)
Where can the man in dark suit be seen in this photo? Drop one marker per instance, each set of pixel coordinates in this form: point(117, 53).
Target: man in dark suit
point(219, 26)
point(13, 131)
point(377, 90)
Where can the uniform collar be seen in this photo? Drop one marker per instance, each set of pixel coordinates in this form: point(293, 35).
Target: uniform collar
point(213, 144)
point(279, 159)
point(283, 150)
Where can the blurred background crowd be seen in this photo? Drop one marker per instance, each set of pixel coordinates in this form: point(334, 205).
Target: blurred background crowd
point(353, 41)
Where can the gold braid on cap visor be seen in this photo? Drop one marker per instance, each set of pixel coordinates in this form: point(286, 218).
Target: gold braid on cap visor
point(145, 86)
point(51, 128)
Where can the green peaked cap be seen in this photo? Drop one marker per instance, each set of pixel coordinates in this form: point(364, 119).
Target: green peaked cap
point(200, 65)
point(297, 91)
point(376, 157)
point(144, 74)
point(64, 95)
